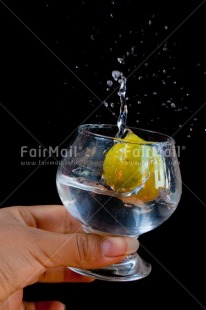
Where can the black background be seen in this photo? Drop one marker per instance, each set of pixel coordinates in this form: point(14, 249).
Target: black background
point(55, 60)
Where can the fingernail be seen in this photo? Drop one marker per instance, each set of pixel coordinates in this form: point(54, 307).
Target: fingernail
point(116, 246)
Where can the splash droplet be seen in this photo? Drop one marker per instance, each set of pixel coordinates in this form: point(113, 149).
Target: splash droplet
point(116, 75)
point(121, 61)
point(109, 83)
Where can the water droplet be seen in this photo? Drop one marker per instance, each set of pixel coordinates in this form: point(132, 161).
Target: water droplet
point(105, 104)
point(92, 37)
point(163, 104)
point(191, 129)
point(109, 83)
point(140, 77)
point(121, 61)
point(116, 75)
point(146, 64)
point(150, 22)
point(173, 105)
point(164, 71)
point(139, 102)
point(132, 49)
point(111, 15)
point(77, 67)
point(154, 93)
point(112, 104)
point(166, 27)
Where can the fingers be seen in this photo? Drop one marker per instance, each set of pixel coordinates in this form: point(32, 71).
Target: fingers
point(43, 305)
point(63, 274)
point(82, 250)
point(49, 217)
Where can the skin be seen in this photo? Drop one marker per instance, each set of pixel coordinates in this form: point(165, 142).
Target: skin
point(38, 243)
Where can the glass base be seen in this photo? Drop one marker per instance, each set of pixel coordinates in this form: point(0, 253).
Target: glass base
point(130, 269)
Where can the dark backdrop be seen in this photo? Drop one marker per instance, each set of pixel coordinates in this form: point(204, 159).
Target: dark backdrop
point(55, 60)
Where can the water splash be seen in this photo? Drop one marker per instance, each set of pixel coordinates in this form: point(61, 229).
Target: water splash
point(122, 119)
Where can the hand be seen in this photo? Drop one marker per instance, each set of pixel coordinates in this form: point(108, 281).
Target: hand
point(38, 243)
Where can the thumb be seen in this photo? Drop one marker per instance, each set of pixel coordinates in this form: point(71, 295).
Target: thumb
point(82, 250)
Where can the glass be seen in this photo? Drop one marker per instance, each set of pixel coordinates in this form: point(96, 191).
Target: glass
point(121, 187)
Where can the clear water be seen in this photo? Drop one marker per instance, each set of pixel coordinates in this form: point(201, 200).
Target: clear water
point(95, 209)
point(122, 119)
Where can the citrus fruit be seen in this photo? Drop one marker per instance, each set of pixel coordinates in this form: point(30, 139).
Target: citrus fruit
point(133, 162)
